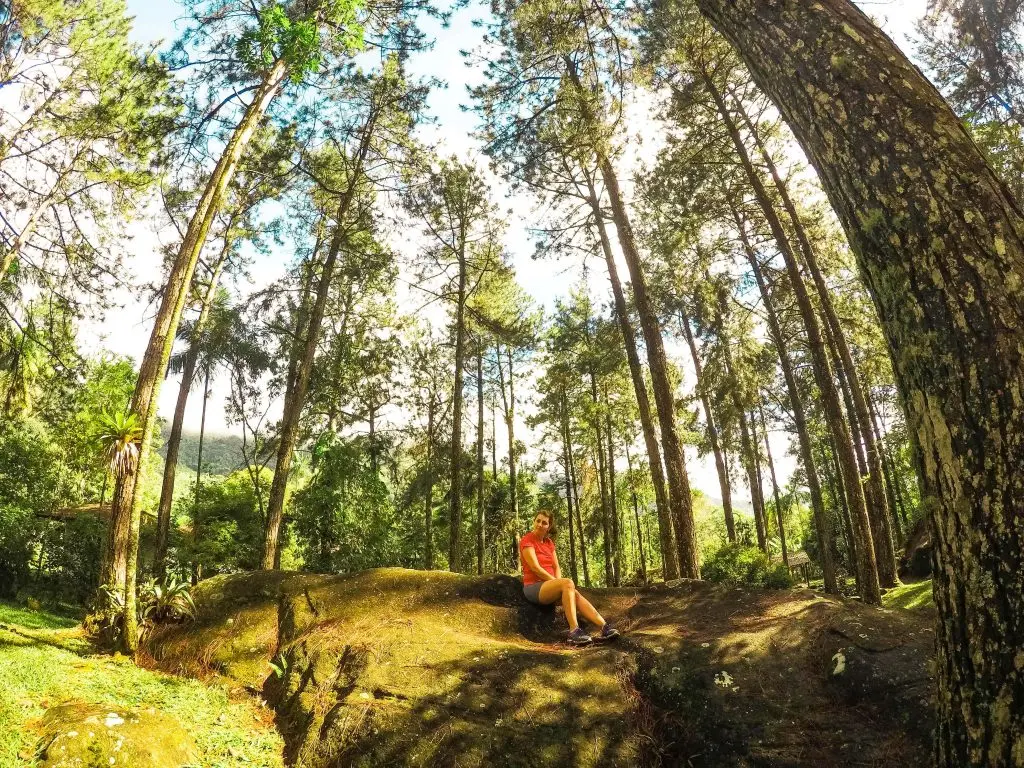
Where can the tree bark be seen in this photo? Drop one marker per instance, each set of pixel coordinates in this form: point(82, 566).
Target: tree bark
point(870, 590)
point(938, 240)
point(796, 406)
point(161, 340)
point(665, 532)
point(163, 515)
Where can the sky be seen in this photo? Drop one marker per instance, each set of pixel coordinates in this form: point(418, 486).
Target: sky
point(126, 331)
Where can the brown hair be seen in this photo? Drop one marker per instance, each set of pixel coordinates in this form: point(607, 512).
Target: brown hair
point(552, 526)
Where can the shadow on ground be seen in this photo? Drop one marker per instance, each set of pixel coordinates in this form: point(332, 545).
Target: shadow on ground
point(397, 667)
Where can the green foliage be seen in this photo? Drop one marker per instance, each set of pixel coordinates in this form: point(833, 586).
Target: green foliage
point(297, 41)
point(120, 438)
point(737, 564)
point(344, 517)
point(229, 517)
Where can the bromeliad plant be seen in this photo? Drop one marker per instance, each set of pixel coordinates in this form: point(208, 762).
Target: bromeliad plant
point(158, 603)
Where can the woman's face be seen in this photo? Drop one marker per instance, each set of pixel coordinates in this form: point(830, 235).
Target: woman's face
point(541, 524)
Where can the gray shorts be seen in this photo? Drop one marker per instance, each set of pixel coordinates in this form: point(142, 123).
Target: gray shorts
point(532, 592)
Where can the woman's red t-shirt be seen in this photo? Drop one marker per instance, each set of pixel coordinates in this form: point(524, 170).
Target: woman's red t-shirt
point(545, 556)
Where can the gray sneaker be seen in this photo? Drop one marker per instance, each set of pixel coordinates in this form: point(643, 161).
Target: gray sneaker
point(579, 637)
point(607, 632)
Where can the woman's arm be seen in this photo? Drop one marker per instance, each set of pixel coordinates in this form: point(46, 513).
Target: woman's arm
point(530, 556)
point(558, 568)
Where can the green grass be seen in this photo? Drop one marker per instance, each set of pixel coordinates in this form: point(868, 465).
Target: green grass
point(916, 596)
point(44, 661)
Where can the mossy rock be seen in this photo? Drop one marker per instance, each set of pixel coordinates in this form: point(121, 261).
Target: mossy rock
point(81, 735)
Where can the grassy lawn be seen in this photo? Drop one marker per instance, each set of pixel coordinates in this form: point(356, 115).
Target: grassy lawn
point(45, 661)
point(915, 596)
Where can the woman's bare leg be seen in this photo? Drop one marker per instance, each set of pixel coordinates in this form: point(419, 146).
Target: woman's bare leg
point(550, 591)
point(589, 611)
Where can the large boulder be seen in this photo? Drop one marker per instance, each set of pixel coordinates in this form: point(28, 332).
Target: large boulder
point(82, 735)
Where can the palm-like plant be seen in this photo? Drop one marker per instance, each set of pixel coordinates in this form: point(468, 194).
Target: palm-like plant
point(121, 439)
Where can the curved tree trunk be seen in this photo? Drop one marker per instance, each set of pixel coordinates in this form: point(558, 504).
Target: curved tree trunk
point(163, 514)
point(940, 243)
point(161, 340)
point(665, 532)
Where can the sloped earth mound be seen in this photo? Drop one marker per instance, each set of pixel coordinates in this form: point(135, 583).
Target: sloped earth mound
point(398, 667)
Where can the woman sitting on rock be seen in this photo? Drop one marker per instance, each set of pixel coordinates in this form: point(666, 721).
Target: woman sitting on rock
point(543, 583)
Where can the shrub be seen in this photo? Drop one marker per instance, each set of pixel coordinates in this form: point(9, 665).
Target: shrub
point(738, 564)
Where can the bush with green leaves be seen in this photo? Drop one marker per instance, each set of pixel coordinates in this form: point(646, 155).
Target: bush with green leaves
point(738, 564)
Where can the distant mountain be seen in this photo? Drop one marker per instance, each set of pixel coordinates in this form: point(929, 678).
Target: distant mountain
point(222, 454)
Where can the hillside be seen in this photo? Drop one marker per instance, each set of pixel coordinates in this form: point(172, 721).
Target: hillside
point(222, 454)
point(398, 667)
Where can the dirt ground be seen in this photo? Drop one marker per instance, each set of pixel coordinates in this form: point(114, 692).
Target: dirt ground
point(400, 667)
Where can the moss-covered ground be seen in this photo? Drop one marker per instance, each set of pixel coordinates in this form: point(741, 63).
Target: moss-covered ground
point(397, 667)
point(45, 661)
point(912, 596)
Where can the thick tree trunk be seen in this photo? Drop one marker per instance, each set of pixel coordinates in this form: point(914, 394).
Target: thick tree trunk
point(161, 340)
point(716, 442)
point(939, 241)
point(870, 590)
point(796, 406)
point(163, 514)
point(665, 533)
